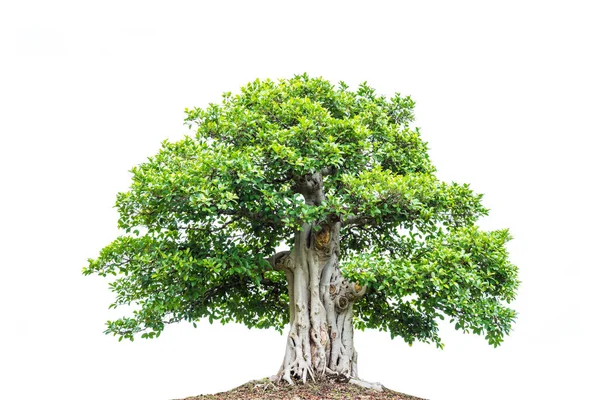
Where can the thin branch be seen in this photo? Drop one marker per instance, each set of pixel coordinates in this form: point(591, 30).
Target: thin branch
point(231, 221)
point(356, 220)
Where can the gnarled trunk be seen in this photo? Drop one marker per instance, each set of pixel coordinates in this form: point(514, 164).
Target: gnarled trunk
point(321, 337)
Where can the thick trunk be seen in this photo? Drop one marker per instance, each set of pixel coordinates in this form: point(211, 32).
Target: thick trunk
point(321, 337)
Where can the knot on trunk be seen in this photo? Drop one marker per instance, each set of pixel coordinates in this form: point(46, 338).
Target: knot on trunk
point(323, 237)
point(341, 303)
point(359, 291)
point(346, 294)
point(332, 289)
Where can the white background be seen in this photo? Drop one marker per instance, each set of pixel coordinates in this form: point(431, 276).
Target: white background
point(507, 97)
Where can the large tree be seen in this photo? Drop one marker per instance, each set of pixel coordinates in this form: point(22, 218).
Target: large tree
point(343, 180)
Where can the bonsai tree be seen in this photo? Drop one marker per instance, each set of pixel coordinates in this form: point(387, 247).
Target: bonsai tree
point(304, 203)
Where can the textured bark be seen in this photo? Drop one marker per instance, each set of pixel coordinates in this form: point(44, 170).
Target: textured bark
point(321, 337)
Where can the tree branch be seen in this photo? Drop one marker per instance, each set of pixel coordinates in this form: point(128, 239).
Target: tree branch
point(328, 171)
point(356, 220)
point(277, 260)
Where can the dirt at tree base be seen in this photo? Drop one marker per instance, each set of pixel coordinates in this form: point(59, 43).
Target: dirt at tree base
point(324, 389)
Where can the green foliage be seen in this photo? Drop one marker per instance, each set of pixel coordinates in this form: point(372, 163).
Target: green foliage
point(461, 273)
point(203, 214)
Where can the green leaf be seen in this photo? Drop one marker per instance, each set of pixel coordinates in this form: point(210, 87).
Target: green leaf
point(203, 214)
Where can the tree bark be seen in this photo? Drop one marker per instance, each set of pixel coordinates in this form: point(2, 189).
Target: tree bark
point(321, 337)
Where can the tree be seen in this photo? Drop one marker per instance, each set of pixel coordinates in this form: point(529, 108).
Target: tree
point(343, 180)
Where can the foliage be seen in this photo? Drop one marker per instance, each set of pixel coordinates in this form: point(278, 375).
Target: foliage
point(204, 214)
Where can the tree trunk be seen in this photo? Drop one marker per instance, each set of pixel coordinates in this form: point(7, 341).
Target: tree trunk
point(321, 337)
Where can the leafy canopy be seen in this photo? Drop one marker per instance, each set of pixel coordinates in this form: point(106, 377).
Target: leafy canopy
point(203, 214)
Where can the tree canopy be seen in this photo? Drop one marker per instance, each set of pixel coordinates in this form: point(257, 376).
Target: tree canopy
point(203, 218)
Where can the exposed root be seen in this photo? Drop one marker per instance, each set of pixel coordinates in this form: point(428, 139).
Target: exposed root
point(298, 368)
point(368, 385)
point(337, 376)
point(264, 386)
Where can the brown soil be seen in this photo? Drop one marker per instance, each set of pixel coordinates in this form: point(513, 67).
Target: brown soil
point(325, 389)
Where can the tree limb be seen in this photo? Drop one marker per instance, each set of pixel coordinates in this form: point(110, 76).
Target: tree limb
point(328, 171)
point(356, 220)
point(276, 260)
